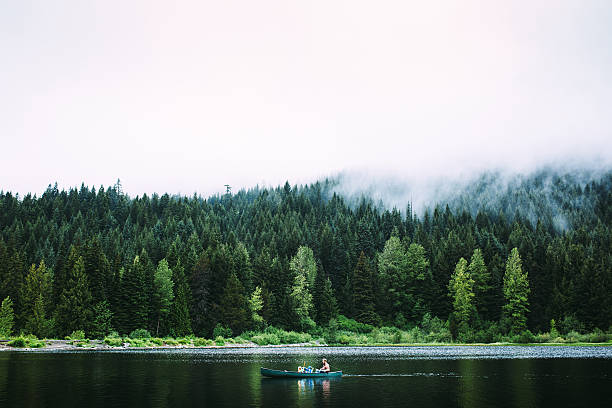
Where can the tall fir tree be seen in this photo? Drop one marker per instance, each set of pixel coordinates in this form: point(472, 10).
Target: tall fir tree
point(301, 302)
point(363, 292)
point(234, 306)
point(36, 297)
point(263, 276)
point(75, 309)
point(102, 323)
point(202, 303)
point(420, 286)
point(304, 270)
point(303, 263)
point(133, 302)
point(63, 270)
point(325, 305)
point(38, 323)
point(242, 266)
point(163, 295)
point(394, 278)
point(97, 269)
point(461, 291)
point(7, 318)
point(255, 306)
point(180, 320)
point(220, 267)
point(516, 293)
point(148, 272)
point(483, 301)
point(13, 271)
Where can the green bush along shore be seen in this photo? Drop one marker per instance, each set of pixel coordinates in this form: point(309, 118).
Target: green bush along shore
point(340, 332)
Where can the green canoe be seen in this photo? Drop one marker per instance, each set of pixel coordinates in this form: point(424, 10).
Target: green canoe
point(294, 374)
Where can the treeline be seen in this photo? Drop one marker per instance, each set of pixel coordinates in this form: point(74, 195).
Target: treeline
point(296, 257)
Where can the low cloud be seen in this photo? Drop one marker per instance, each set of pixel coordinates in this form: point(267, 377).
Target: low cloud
point(482, 189)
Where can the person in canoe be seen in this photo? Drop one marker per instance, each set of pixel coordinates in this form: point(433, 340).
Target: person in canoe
point(325, 368)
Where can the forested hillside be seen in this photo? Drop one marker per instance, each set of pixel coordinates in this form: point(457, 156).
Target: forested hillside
point(511, 257)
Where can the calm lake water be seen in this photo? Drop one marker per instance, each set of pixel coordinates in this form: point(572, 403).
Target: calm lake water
point(374, 377)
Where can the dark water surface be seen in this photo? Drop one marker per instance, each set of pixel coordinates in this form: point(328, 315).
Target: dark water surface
point(480, 376)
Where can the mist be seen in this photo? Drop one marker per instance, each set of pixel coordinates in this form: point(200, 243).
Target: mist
point(477, 189)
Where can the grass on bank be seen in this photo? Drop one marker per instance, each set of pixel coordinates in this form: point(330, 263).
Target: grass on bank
point(348, 332)
point(271, 336)
point(385, 336)
point(340, 332)
point(26, 341)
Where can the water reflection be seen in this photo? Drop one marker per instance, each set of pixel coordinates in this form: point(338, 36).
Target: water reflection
point(317, 385)
point(297, 391)
point(521, 377)
point(305, 385)
point(474, 384)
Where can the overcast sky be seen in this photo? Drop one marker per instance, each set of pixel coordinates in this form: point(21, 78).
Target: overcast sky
point(186, 96)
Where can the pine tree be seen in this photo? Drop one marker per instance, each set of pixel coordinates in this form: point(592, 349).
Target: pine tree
point(173, 253)
point(202, 303)
point(304, 270)
point(365, 237)
point(180, 320)
point(363, 292)
point(234, 306)
point(420, 285)
point(516, 292)
point(36, 297)
point(393, 270)
point(268, 312)
point(283, 306)
point(63, 270)
point(461, 290)
point(148, 272)
point(75, 309)
point(242, 266)
point(97, 270)
point(261, 269)
point(221, 265)
point(301, 301)
point(256, 305)
point(347, 299)
point(163, 293)
point(12, 274)
point(102, 320)
point(133, 303)
point(7, 318)
point(326, 305)
point(38, 323)
point(264, 277)
point(482, 287)
point(303, 263)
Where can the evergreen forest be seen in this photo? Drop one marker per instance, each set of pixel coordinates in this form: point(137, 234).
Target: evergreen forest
point(534, 255)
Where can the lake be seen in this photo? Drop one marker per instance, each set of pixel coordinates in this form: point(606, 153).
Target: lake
point(465, 376)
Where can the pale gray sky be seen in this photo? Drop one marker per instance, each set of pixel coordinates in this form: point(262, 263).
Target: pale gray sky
point(186, 96)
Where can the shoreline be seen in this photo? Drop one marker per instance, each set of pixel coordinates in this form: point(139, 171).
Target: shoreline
point(99, 345)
